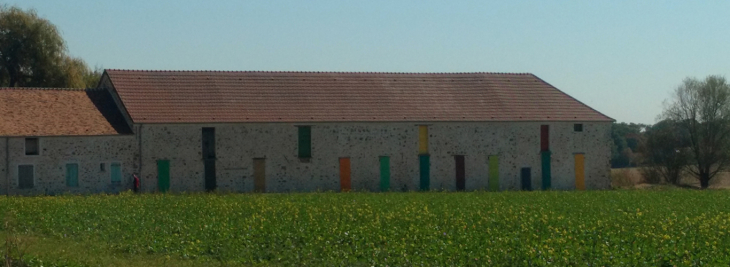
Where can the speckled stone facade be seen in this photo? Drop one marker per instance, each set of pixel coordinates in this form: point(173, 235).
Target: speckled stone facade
point(89, 152)
point(516, 143)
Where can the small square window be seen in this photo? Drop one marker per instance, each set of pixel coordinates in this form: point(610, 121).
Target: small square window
point(578, 127)
point(31, 147)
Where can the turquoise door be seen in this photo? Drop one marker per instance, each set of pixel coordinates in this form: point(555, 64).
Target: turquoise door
point(116, 169)
point(384, 173)
point(546, 175)
point(425, 168)
point(163, 175)
point(72, 175)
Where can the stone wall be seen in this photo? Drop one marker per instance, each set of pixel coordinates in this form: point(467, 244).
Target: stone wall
point(517, 145)
point(89, 152)
point(3, 165)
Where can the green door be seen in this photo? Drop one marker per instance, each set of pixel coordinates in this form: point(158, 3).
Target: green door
point(116, 170)
point(163, 175)
point(384, 173)
point(546, 175)
point(493, 173)
point(72, 175)
point(425, 167)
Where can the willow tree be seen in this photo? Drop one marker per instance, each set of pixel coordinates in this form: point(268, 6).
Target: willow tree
point(33, 54)
point(702, 108)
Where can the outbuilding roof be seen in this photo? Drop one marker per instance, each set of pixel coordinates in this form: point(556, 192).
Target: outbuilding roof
point(59, 112)
point(258, 96)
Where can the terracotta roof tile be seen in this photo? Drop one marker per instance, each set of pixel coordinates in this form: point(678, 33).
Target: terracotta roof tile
point(59, 112)
point(260, 96)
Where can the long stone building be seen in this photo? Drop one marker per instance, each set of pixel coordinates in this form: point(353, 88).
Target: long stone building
point(301, 131)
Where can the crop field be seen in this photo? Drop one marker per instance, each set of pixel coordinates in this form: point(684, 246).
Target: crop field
point(616, 228)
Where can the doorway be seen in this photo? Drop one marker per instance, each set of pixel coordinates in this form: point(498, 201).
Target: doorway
point(259, 175)
point(163, 175)
point(460, 173)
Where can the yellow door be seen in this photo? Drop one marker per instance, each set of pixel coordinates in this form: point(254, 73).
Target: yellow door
point(580, 173)
point(422, 140)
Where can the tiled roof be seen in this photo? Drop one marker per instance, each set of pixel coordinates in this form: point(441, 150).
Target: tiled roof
point(257, 96)
point(59, 112)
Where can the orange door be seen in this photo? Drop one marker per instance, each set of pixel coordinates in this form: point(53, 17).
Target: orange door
point(345, 184)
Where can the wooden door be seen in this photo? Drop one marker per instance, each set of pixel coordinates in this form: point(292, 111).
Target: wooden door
point(544, 137)
point(493, 173)
point(116, 173)
point(26, 176)
point(163, 175)
point(384, 173)
point(209, 172)
point(425, 172)
point(526, 176)
point(72, 175)
point(423, 139)
point(259, 175)
point(209, 157)
point(345, 183)
point(580, 182)
point(460, 173)
point(546, 172)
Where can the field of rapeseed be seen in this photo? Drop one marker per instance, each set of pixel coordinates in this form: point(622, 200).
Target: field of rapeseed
point(617, 228)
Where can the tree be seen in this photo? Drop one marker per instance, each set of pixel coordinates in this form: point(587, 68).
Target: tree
point(33, 54)
point(626, 137)
point(702, 108)
point(665, 152)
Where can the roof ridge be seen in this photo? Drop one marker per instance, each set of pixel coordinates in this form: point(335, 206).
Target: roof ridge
point(320, 72)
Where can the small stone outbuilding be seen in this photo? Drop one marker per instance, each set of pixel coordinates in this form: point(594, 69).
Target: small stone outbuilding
point(302, 131)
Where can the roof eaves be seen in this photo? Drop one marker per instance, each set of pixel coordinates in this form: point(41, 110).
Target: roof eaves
point(576, 100)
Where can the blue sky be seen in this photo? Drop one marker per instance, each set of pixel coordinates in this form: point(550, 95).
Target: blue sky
point(622, 58)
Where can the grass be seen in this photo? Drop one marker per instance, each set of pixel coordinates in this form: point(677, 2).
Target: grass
point(618, 228)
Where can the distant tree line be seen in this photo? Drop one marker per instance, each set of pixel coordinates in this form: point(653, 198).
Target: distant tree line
point(693, 136)
point(33, 54)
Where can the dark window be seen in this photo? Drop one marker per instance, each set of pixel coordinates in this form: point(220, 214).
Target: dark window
point(305, 141)
point(31, 146)
point(25, 176)
point(578, 127)
point(208, 143)
point(102, 167)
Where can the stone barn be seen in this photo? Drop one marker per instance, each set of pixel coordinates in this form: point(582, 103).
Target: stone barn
point(303, 131)
point(63, 140)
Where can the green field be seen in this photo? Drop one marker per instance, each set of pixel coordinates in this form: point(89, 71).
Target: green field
point(617, 228)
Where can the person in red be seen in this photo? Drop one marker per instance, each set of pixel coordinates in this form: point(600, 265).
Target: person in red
point(135, 185)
